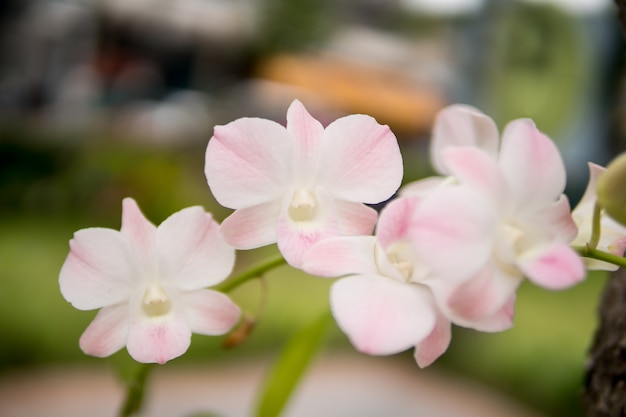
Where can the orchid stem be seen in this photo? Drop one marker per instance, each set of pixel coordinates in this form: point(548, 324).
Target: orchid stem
point(595, 227)
point(589, 252)
point(251, 273)
point(135, 391)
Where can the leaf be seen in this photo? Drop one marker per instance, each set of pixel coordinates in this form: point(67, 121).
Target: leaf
point(291, 365)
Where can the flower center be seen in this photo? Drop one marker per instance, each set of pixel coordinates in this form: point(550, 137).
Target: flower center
point(401, 257)
point(155, 302)
point(303, 206)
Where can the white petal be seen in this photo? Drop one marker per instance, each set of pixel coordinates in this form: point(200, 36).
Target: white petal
point(252, 227)
point(107, 332)
point(210, 312)
point(341, 256)
point(382, 316)
point(192, 252)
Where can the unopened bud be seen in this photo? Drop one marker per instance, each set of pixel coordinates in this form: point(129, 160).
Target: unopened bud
point(611, 189)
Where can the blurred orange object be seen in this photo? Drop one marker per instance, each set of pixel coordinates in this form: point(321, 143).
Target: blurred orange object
point(390, 95)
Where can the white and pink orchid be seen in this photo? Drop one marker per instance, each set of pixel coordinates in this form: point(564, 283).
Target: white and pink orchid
point(502, 218)
point(612, 234)
point(303, 183)
point(385, 305)
point(148, 282)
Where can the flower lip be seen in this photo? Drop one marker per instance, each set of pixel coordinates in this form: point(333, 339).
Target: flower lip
point(303, 206)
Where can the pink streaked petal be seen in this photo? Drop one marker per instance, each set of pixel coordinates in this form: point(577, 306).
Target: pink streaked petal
point(107, 332)
point(462, 125)
point(249, 162)
point(453, 232)
point(158, 339)
point(339, 256)
point(435, 344)
point(483, 295)
point(192, 252)
point(252, 227)
point(210, 312)
point(501, 320)
point(382, 316)
point(98, 271)
point(307, 133)
point(395, 221)
point(557, 222)
point(360, 160)
point(141, 235)
point(555, 267)
point(355, 218)
point(476, 168)
point(531, 166)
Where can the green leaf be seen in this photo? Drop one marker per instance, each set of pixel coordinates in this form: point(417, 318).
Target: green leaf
point(290, 366)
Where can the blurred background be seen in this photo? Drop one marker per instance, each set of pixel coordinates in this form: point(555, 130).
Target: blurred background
point(103, 99)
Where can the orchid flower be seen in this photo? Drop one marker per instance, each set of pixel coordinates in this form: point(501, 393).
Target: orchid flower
point(148, 283)
point(298, 184)
point(503, 218)
point(612, 234)
point(385, 304)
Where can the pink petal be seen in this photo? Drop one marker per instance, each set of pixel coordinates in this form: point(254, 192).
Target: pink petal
point(461, 125)
point(141, 235)
point(480, 297)
point(339, 256)
point(498, 322)
point(97, 272)
point(252, 227)
point(210, 312)
point(360, 160)
point(531, 165)
point(381, 316)
point(307, 133)
point(453, 232)
point(435, 344)
point(395, 221)
point(424, 187)
point(107, 332)
point(557, 222)
point(249, 162)
point(476, 168)
point(192, 252)
point(158, 340)
point(355, 218)
point(555, 267)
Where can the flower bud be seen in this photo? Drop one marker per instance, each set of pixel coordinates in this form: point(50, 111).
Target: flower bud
point(611, 189)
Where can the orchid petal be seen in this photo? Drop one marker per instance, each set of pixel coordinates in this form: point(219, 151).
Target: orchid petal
point(360, 160)
point(192, 252)
point(158, 340)
point(252, 227)
point(249, 162)
point(498, 322)
point(355, 218)
point(210, 312)
point(435, 344)
point(424, 187)
point(140, 233)
point(476, 168)
point(341, 256)
point(555, 267)
point(531, 166)
point(97, 271)
point(557, 219)
point(395, 221)
point(462, 125)
point(589, 197)
point(452, 231)
point(107, 333)
point(381, 316)
point(307, 133)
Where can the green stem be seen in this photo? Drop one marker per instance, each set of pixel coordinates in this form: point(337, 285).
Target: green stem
point(589, 252)
point(136, 390)
point(251, 273)
point(595, 227)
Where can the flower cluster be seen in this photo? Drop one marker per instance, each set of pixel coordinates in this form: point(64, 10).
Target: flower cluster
point(449, 249)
